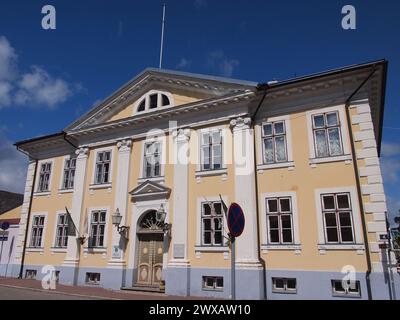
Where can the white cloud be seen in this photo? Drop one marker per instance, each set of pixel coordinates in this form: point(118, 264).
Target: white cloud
point(8, 60)
point(217, 60)
point(200, 4)
point(39, 88)
point(390, 149)
point(5, 94)
point(184, 63)
point(34, 88)
point(390, 169)
point(13, 166)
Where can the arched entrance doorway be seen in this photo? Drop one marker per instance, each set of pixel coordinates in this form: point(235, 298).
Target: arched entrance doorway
point(150, 250)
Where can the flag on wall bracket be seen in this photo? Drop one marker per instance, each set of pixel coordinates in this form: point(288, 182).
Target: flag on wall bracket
point(71, 228)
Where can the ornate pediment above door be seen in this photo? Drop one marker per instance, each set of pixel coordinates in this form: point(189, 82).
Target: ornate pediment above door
point(149, 190)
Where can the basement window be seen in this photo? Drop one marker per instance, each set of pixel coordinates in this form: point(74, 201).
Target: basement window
point(213, 283)
point(284, 285)
point(30, 274)
point(92, 277)
point(345, 289)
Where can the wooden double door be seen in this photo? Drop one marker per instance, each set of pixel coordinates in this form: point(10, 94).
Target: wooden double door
point(150, 259)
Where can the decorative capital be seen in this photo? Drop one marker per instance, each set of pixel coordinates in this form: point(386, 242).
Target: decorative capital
point(240, 123)
point(82, 152)
point(124, 145)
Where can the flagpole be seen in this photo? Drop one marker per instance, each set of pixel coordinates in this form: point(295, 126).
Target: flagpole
point(162, 36)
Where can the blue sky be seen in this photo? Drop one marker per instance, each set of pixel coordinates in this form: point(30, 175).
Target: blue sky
point(49, 78)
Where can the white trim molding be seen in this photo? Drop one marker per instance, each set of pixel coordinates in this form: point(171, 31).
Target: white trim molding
point(265, 245)
point(344, 133)
point(261, 166)
point(356, 215)
point(48, 191)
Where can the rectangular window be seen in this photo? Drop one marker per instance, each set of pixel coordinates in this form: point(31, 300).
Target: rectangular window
point(103, 165)
point(61, 231)
point(97, 229)
point(338, 220)
point(279, 220)
point(69, 173)
point(152, 159)
point(346, 289)
point(92, 278)
point(212, 224)
point(30, 274)
point(213, 283)
point(284, 285)
point(327, 135)
point(44, 177)
point(274, 142)
point(211, 150)
point(37, 231)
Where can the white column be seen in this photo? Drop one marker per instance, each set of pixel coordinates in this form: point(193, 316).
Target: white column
point(121, 199)
point(245, 191)
point(180, 211)
point(72, 257)
point(24, 214)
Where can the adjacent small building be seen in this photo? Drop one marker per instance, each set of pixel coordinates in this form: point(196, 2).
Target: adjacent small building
point(145, 173)
point(10, 210)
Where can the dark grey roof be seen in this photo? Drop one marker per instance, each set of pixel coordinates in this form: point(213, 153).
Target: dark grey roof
point(10, 200)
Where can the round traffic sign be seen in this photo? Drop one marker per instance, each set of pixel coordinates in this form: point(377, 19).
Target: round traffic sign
point(235, 220)
point(5, 225)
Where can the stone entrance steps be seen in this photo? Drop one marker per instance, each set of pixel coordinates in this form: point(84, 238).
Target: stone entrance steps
point(144, 288)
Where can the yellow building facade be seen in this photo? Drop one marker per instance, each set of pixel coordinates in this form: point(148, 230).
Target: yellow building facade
point(144, 172)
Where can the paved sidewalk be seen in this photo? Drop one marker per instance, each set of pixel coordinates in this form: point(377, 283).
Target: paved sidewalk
point(85, 292)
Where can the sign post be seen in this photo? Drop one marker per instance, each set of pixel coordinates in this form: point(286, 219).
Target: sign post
point(4, 226)
point(236, 222)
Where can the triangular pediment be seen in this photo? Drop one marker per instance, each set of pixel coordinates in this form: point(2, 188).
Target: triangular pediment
point(150, 190)
point(181, 88)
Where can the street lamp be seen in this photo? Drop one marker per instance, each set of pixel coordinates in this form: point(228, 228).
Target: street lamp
point(116, 221)
point(160, 218)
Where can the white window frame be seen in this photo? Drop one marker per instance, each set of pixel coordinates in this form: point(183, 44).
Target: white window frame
point(346, 293)
point(224, 152)
point(260, 146)
point(43, 242)
point(163, 141)
point(214, 287)
point(58, 213)
point(266, 245)
point(105, 243)
point(109, 148)
point(61, 184)
point(285, 289)
point(147, 102)
point(344, 133)
point(357, 231)
point(37, 192)
point(199, 247)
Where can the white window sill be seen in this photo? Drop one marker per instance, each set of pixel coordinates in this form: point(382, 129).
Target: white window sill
point(351, 246)
point(262, 167)
point(65, 191)
point(28, 249)
point(100, 186)
point(206, 173)
point(41, 193)
point(56, 249)
point(94, 250)
point(280, 247)
point(346, 158)
point(211, 249)
point(160, 179)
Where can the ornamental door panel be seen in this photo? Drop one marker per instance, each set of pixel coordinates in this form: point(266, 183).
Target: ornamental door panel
point(150, 250)
point(144, 265)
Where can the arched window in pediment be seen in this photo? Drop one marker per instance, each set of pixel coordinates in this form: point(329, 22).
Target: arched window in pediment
point(153, 100)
